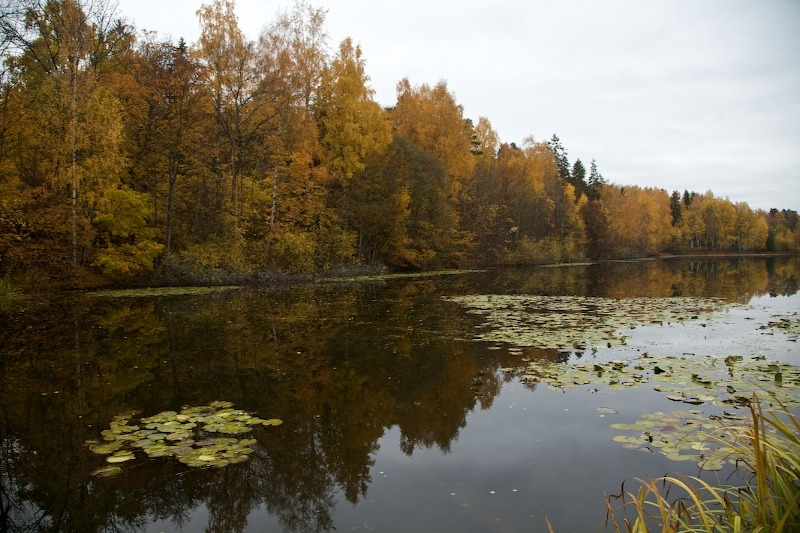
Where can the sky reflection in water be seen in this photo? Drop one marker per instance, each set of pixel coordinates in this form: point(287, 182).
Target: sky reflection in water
point(394, 419)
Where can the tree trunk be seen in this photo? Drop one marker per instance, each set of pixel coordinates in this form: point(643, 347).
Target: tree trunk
point(74, 170)
point(170, 203)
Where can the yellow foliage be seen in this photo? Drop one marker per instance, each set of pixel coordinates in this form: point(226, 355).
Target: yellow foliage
point(295, 251)
point(751, 229)
point(717, 224)
point(431, 118)
point(354, 126)
point(786, 240)
point(550, 250)
point(487, 140)
point(217, 252)
point(129, 247)
point(640, 219)
point(128, 260)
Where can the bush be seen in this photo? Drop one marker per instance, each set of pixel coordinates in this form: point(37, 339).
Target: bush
point(295, 252)
point(218, 261)
point(336, 250)
point(547, 251)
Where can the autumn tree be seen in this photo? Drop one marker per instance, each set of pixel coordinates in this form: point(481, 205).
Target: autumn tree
point(402, 212)
point(720, 222)
point(595, 217)
point(599, 244)
point(534, 214)
point(487, 140)
point(352, 124)
point(565, 203)
point(640, 219)
point(302, 34)
point(168, 129)
point(784, 230)
point(73, 125)
point(233, 80)
point(751, 229)
point(431, 118)
point(285, 202)
point(128, 246)
point(36, 236)
point(692, 225)
point(480, 209)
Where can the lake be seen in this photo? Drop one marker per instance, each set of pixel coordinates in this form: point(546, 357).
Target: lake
point(411, 403)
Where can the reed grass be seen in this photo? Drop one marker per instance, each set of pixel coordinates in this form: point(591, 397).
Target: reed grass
point(767, 448)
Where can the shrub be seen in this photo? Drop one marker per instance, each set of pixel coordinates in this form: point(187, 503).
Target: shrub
point(218, 261)
point(295, 252)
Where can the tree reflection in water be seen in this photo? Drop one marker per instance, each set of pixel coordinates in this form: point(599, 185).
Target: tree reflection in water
point(340, 363)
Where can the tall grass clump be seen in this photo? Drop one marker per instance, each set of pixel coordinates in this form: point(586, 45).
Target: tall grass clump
point(767, 448)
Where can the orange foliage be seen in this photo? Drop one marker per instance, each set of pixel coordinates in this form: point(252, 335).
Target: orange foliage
point(238, 156)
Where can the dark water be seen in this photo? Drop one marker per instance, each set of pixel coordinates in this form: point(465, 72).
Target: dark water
point(395, 419)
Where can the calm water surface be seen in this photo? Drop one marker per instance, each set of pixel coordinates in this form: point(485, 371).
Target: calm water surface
point(395, 418)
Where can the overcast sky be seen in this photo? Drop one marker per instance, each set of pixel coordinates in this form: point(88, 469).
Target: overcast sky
point(679, 94)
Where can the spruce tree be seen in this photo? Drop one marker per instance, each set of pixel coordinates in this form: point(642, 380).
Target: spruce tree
point(560, 154)
point(578, 178)
point(595, 183)
point(675, 207)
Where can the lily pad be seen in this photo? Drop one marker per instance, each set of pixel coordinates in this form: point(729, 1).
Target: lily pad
point(683, 379)
point(107, 471)
point(790, 325)
point(192, 436)
point(106, 447)
point(713, 382)
point(606, 411)
point(576, 322)
point(120, 457)
point(676, 432)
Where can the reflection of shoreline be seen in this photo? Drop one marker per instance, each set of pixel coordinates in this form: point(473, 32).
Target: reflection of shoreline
point(736, 279)
point(340, 363)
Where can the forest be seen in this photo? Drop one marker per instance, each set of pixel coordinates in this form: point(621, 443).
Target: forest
point(127, 158)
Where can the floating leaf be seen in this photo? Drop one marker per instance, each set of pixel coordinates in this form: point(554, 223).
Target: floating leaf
point(107, 471)
point(159, 450)
point(178, 435)
point(576, 322)
point(639, 425)
point(120, 457)
point(711, 464)
point(627, 439)
point(680, 431)
point(106, 448)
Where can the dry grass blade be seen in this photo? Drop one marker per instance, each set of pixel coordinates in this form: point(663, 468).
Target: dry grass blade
point(769, 448)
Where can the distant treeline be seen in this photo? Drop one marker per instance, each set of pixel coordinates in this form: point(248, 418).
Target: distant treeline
point(124, 157)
